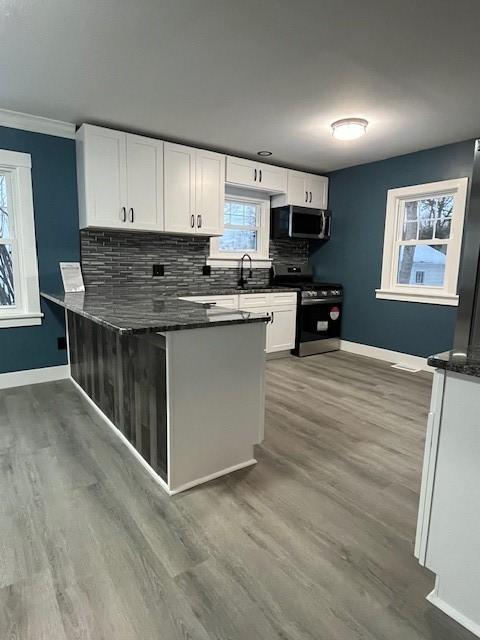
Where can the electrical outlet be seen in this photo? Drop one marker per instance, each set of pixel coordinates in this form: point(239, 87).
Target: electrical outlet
point(207, 270)
point(62, 343)
point(158, 270)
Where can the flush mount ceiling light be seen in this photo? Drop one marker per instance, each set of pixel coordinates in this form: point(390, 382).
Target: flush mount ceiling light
point(265, 154)
point(349, 128)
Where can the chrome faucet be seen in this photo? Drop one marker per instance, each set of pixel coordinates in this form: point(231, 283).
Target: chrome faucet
point(243, 281)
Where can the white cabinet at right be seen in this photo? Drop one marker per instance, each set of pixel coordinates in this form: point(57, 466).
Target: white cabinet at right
point(303, 190)
point(282, 309)
point(448, 530)
point(241, 172)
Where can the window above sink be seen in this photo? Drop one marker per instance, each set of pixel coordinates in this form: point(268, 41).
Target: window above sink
point(247, 230)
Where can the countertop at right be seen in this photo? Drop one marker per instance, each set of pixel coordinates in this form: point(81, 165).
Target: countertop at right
point(458, 361)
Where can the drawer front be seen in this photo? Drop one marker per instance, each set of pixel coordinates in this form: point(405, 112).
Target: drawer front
point(229, 302)
point(248, 300)
point(283, 299)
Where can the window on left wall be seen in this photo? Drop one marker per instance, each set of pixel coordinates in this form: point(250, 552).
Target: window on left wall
point(19, 291)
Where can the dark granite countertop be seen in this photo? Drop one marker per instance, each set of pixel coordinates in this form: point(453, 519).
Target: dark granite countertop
point(237, 290)
point(136, 312)
point(466, 362)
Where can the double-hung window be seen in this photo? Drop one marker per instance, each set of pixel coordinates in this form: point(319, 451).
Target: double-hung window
point(246, 230)
point(423, 237)
point(19, 294)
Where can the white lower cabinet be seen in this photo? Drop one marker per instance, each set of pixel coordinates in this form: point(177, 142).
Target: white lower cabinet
point(280, 307)
point(281, 329)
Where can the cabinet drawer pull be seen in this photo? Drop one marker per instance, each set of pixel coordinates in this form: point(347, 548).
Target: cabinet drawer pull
point(131, 214)
point(260, 175)
point(123, 214)
point(199, 221)
point(192, 221)
point(255, 176)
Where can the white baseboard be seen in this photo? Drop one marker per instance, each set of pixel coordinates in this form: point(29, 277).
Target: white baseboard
point(34, 376)
point(386, 355)
point(126, 442)
point(213, 476)
point(472, 626)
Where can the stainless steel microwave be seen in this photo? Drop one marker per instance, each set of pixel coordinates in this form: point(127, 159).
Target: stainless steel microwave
point(300, 222)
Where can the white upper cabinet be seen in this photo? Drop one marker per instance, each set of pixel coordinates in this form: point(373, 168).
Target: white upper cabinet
point(194, 190)
point(209, 192)
point(119, 180)
point(256, 175)
point(179, 188)
point(144, 182)
point(304, 190)
point(102, 177)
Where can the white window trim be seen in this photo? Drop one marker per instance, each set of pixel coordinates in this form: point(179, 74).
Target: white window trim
point(446, 295)
point(260, 258)
point(26, 311)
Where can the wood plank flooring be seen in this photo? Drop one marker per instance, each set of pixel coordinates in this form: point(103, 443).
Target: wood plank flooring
point(313, 543)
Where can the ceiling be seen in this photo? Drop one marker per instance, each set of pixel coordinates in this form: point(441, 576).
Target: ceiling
point(245, 75)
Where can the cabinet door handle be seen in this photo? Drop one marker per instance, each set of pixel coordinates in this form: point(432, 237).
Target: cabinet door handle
point(131, 214)
point(192, 221)
point(260, 175)
point(310, 196)
point(306, 196)
point(199, 221)
point(123, 214)
point(273, 317)
point(255, 176)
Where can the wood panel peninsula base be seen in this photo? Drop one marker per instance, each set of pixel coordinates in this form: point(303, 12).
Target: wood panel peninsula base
point(191, 402)
point(180, 383)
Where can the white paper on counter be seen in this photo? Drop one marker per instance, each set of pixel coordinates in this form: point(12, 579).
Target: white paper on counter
point(72, 277)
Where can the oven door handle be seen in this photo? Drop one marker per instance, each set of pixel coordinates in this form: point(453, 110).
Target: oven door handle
point(308, 303)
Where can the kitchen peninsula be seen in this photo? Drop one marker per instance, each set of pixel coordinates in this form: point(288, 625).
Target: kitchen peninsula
point(448, 530)
point(182, 382)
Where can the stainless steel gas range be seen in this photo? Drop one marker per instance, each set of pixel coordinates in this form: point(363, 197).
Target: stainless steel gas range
point(319, 309)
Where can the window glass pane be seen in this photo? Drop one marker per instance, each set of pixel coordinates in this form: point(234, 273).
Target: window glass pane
point(250, 215)
point(425, 230)
point(7, 295)
point(240, 214)
point(422, 265)
point(4, 220)
point(236, 213)
point(226, 213)
point(443, 227)
point(438, 207)
point(410, 231)
point(411, 210)
point(238, 240)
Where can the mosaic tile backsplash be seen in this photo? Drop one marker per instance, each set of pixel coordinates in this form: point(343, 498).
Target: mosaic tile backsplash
point(125, 259)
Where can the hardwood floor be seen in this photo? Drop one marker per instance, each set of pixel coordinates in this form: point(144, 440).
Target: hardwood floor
point(313, 543)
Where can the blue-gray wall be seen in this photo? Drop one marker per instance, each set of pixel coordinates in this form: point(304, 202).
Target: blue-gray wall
point(56, 227)
point(353, 256)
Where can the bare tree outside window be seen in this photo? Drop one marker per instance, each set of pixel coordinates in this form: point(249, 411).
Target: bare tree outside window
point(425, 220)
point(7, 293)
